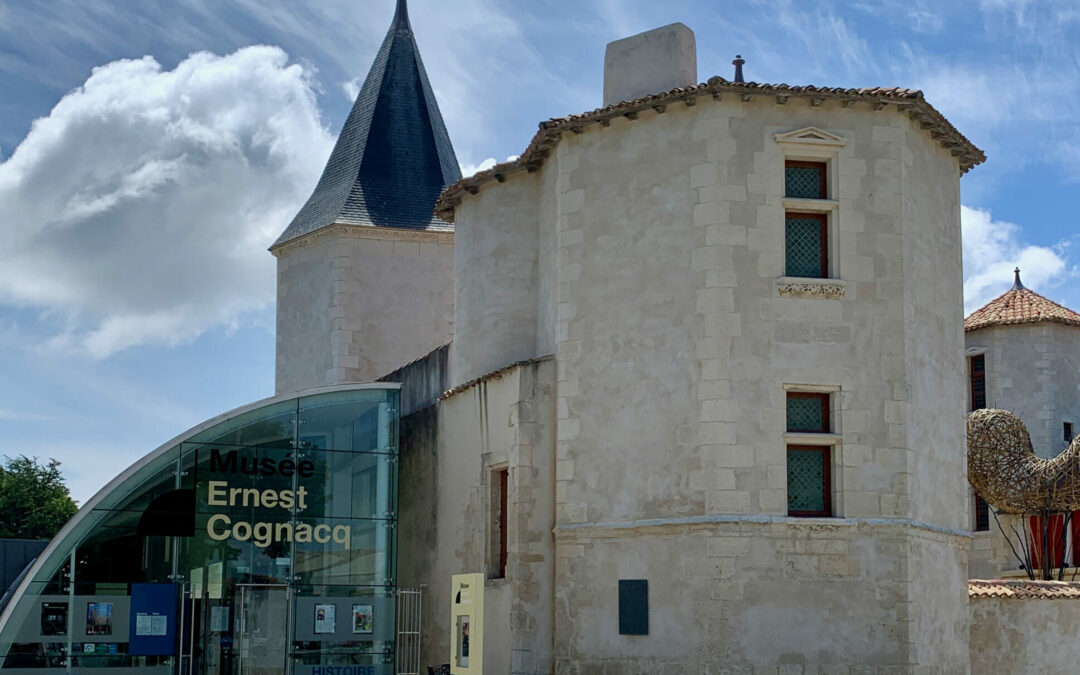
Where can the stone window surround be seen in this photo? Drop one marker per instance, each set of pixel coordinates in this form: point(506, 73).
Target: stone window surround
point(811, 144)
point(834, 440)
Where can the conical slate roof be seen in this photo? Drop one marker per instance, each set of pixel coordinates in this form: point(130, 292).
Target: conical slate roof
point(393, 156)
point(1020, 304)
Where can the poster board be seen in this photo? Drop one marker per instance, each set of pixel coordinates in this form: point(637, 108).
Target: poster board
point(467, 624)
point(153, 620)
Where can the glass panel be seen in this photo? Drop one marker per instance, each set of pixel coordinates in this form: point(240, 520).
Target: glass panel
point(248, 503)
point(803, 182)
point(806, 414)
point(342, 625)
point(262, 626)
point(359, 421)
point(270, 427)
point(803, 242)
point(806, 480)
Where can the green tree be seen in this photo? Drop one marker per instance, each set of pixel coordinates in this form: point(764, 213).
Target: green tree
point(34, 502)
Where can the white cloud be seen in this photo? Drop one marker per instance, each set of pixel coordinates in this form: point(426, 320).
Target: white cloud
point(470, 169)
point(141, 208)
point(351, 88)
point(993, 248)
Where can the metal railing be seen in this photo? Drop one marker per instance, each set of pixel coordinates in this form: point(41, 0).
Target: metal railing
point(409, 614)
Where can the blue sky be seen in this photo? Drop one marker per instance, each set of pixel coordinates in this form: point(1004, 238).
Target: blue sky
point(150, 152)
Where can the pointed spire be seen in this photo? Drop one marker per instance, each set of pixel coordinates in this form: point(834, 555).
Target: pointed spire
point(393, 157)
point(401, 17)
point(1017, 286)
point(738, 63)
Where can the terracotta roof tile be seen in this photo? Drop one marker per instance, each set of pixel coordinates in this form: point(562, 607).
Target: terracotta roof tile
point(1020, 305)
point(547, 137)
point(1023, 589)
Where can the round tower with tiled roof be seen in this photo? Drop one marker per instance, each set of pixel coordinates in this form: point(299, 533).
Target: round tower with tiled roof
point(365, 270)
point(1023, 354)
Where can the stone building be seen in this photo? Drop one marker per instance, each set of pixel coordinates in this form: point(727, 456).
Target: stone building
point(704, 397)
point(1023, 355)
point(679, 390)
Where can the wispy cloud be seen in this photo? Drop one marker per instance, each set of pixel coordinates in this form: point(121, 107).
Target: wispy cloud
point(351, 89)
point(993, 248)
point(470, 169)
point(9, 415)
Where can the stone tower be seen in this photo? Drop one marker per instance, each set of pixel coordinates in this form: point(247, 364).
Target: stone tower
point(753, 299)
point(1026, 350)
point(365, 271)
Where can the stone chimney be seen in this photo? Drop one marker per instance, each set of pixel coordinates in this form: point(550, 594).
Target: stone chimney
point(649, 63)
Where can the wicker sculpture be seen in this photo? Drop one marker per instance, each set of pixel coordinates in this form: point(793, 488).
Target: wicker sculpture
point(1003, 468)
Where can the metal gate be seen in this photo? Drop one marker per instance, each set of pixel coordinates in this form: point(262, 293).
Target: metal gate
point(409, 605)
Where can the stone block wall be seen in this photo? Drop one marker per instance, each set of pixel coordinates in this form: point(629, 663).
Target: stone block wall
point(503, 421)
point(1026, 634)
point(754, 595)
point(355, 303)
point(1033, 371)
point(677, 337)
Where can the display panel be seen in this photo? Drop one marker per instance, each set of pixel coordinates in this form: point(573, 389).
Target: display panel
point(263, 541)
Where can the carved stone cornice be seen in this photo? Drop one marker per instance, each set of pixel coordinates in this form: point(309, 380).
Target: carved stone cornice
point(798, 287)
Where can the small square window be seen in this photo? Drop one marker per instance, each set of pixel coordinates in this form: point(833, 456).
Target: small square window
point(804, 180)
point(809, 480)
point(808, 412)
point(806, 245)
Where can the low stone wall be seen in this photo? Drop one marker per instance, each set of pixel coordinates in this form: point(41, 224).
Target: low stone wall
point(1020, 626)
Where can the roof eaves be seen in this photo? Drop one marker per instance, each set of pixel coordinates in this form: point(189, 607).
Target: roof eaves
point(550, 131)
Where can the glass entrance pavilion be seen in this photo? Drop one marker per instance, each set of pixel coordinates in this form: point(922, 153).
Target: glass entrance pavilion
point(259, 543)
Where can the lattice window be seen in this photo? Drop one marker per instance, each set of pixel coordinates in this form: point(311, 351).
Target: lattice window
point(808, 480)
point(982, 514)
point(978, 382)
point(806, 245)
point(804, 180)
point(808, 412)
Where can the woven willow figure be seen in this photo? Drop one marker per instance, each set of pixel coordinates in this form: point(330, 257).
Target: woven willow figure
point(1003, 468)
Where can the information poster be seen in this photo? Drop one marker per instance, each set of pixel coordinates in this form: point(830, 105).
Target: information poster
point(197, 583)
point(325, 622)
point(142, 624)
point(54, 618)
point(362, 618)
point(214, 574)
point(99, 618)
point(219, 619)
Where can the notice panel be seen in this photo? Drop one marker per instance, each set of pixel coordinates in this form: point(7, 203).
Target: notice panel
point(153, 619)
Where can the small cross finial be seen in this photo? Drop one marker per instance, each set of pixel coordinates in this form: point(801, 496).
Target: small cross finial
point(738, 63)
point(1016, 281)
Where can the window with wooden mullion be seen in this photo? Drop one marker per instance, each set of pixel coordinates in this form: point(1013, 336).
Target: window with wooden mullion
point(805, 180)
point(809, 480)
point(806, 245)
point(809, 467)
point(808, 412)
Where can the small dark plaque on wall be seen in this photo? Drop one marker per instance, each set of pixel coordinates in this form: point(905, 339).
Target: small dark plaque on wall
point(633, 607)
